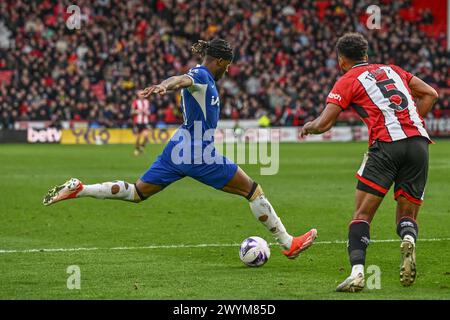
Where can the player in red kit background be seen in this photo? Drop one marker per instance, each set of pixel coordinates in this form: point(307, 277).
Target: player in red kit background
point(140, 111)
point(391, 102)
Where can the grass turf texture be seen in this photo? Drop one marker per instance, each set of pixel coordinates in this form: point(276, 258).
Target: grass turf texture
point(314, 188)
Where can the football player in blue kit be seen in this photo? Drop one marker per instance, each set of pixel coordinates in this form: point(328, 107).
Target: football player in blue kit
point(190, 152)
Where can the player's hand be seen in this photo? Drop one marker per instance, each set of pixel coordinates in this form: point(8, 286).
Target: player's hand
point(156, 89)
point(305, 128)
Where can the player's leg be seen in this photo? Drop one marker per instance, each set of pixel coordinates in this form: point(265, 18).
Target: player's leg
point(409, 189)
point(359, 237)
point(120, 190)
point(137, 145)
point(375, 178)
point(241, 184)
point(157, 177)
point(115, 190)
point(144, 139)
point(408, 230)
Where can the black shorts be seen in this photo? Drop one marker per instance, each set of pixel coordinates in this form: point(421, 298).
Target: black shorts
point(138, 128)
point(404, 162)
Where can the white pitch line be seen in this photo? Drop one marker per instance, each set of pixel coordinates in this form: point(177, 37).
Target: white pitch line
point(201, 245)
point(383, 241)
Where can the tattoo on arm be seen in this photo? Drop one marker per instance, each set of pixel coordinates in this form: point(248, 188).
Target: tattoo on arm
point(177, 82)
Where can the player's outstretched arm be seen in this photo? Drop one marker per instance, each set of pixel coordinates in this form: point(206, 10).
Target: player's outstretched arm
point(170, 84)
point(324, 122)
point(424, 94)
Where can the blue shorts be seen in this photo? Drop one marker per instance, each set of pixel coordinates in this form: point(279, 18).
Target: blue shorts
point(163, 171)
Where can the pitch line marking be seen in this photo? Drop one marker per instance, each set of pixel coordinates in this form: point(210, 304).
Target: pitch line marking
point(178, 246)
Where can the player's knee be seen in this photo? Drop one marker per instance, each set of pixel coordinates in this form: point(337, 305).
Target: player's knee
point(255, 192)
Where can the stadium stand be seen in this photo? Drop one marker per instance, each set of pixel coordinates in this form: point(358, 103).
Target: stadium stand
point(285, 60)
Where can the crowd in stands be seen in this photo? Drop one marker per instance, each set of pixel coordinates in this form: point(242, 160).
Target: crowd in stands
point(284, 67)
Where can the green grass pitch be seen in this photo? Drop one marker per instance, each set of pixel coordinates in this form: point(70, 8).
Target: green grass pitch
point(314, 188)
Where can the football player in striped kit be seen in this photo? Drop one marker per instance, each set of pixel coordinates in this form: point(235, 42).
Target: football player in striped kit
point(392, 103)
point(140, 111)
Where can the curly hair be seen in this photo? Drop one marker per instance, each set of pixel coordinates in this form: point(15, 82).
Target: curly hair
point(352, 46)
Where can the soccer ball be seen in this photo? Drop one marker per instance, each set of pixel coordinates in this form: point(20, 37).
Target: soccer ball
point(254, 251)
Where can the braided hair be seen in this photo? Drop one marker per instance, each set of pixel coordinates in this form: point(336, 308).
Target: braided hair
point(216, 48)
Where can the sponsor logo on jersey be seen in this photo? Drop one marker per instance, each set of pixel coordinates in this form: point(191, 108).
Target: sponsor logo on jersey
point(335, 96)
point(215, 101)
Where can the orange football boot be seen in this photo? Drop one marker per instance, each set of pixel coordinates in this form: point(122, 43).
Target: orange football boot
point(300, 244)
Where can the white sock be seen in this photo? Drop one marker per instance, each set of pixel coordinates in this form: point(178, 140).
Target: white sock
point(409, 238)
point(120, 190)
point(357, 268)
point(264, 212)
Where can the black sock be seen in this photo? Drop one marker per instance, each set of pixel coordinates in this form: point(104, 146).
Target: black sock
point(358, 240)
point(407, 226)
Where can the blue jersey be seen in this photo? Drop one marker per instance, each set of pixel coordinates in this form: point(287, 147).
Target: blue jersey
point(200, 105)
point(200, 102)
point(190, 152)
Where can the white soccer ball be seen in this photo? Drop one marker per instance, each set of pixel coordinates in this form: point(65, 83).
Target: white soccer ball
point(254, 251)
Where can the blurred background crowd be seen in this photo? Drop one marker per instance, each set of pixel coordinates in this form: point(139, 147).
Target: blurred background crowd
point(285, 62)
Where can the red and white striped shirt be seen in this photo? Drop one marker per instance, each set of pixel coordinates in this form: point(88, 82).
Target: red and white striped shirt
point(380, 95)
point(141, 108)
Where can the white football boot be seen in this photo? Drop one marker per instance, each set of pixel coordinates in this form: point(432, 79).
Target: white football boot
point(408, 264)
point(352, 284)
